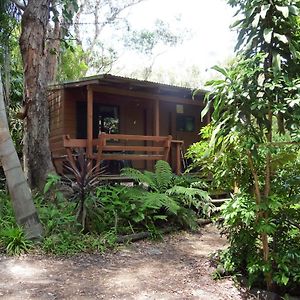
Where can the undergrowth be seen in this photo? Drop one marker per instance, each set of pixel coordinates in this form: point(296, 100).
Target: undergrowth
point(160, 200)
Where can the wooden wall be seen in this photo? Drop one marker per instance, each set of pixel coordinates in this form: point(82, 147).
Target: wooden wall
point(56, 110)
point(136, 117)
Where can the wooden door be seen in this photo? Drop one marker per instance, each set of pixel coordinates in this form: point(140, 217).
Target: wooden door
point(135, 124)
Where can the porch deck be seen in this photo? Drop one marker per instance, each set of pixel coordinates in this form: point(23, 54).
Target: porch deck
point(120, 147)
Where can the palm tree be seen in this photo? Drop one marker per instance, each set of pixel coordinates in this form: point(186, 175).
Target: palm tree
point(20, 193)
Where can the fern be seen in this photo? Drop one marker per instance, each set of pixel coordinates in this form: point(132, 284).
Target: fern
point(164, 175)
point(145, 178)
point(159, 181)
point(190, 196)
point(175, 195)
point(153, 200)
point(158, 201)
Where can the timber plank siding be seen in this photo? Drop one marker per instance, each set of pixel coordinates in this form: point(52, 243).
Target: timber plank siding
point(82, 109)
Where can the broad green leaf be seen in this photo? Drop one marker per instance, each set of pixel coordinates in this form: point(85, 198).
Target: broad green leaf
point(293, 102)
point(283, 9)
point(268, 35)
point(293, 50)
point(264, 9)
point(236, 23)
point(260, 94)
point(284, 279)
point(256, 21)
point(261, 79)
point(205, 110)
point(249, 12)
point(294, 10)
point(220, 70)
point(276, 62)
point(281, 38)
point(249, 44)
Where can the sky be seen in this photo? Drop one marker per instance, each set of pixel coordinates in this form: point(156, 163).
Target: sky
point(212, 42)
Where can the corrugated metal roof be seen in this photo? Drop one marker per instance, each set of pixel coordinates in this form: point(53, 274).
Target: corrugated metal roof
point(132, 84)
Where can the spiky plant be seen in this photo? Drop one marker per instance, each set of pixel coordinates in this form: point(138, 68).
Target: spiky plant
point(83, 178)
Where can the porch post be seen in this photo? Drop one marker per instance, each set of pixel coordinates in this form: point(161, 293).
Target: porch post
point(156, 117)
point(90, 101)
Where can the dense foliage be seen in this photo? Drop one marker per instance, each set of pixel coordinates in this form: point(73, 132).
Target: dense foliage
point(253, 144)
point(160, 201)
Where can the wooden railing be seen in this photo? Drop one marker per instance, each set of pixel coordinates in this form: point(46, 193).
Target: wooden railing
point(119, 147)
point(132, 152)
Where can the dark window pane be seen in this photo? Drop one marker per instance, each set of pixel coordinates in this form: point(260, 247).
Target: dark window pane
point(185, 123)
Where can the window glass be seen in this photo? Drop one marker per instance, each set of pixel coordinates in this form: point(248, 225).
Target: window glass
point(108, 119)
point(185, 123)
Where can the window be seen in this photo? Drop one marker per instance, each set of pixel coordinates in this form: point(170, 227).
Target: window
point(105, 119)
point(185, 123)
point(108, 118)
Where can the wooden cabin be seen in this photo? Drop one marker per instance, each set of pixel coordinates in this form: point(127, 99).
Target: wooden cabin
point(123, 118)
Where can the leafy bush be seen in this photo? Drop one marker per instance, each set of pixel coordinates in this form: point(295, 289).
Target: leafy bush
point(172, 197)
point(64, 234)
point(243, 230)
point(14, 241)
point(12, 237)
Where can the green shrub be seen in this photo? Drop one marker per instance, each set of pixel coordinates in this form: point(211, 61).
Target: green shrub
point(168, 197)
point(245, 252)
point(14, 241)
point(12, 237)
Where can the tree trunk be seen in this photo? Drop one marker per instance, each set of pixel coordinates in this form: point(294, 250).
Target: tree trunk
point(37, 156)
point(19, 190)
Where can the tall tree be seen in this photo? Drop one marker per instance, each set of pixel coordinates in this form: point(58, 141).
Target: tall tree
point(35, 21)
point(261, 87)
point(19, 190)
point(40, 42)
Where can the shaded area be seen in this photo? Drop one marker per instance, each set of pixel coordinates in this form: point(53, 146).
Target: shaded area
point(176, 268)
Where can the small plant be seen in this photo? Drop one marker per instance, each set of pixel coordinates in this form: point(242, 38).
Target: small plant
point(86, 178)
point(52, 184)
point(14, 240)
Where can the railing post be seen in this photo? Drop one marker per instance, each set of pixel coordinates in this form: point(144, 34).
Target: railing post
point(90, 101)
point(178, 160)
point(167, 148)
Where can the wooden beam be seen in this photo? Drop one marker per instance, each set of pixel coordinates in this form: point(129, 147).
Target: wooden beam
point(143, 95)
point(90, 101)
point(156, 118)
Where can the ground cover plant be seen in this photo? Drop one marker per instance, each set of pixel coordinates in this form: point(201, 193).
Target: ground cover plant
point(160, 200)
point(254, 144)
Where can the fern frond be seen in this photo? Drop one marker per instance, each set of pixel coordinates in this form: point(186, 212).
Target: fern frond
point(190, 196)
point(152, 177)
point(164, 175)
point(158, 200)
point(139, 176)
point(187, 218)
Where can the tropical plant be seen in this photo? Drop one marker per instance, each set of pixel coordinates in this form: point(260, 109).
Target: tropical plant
point(82, 178)
point(258, 96)
point(179, 195)
point(14, 240)
point(21, 197)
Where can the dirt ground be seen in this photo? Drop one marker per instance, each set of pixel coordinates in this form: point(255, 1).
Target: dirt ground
point(176, 268)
